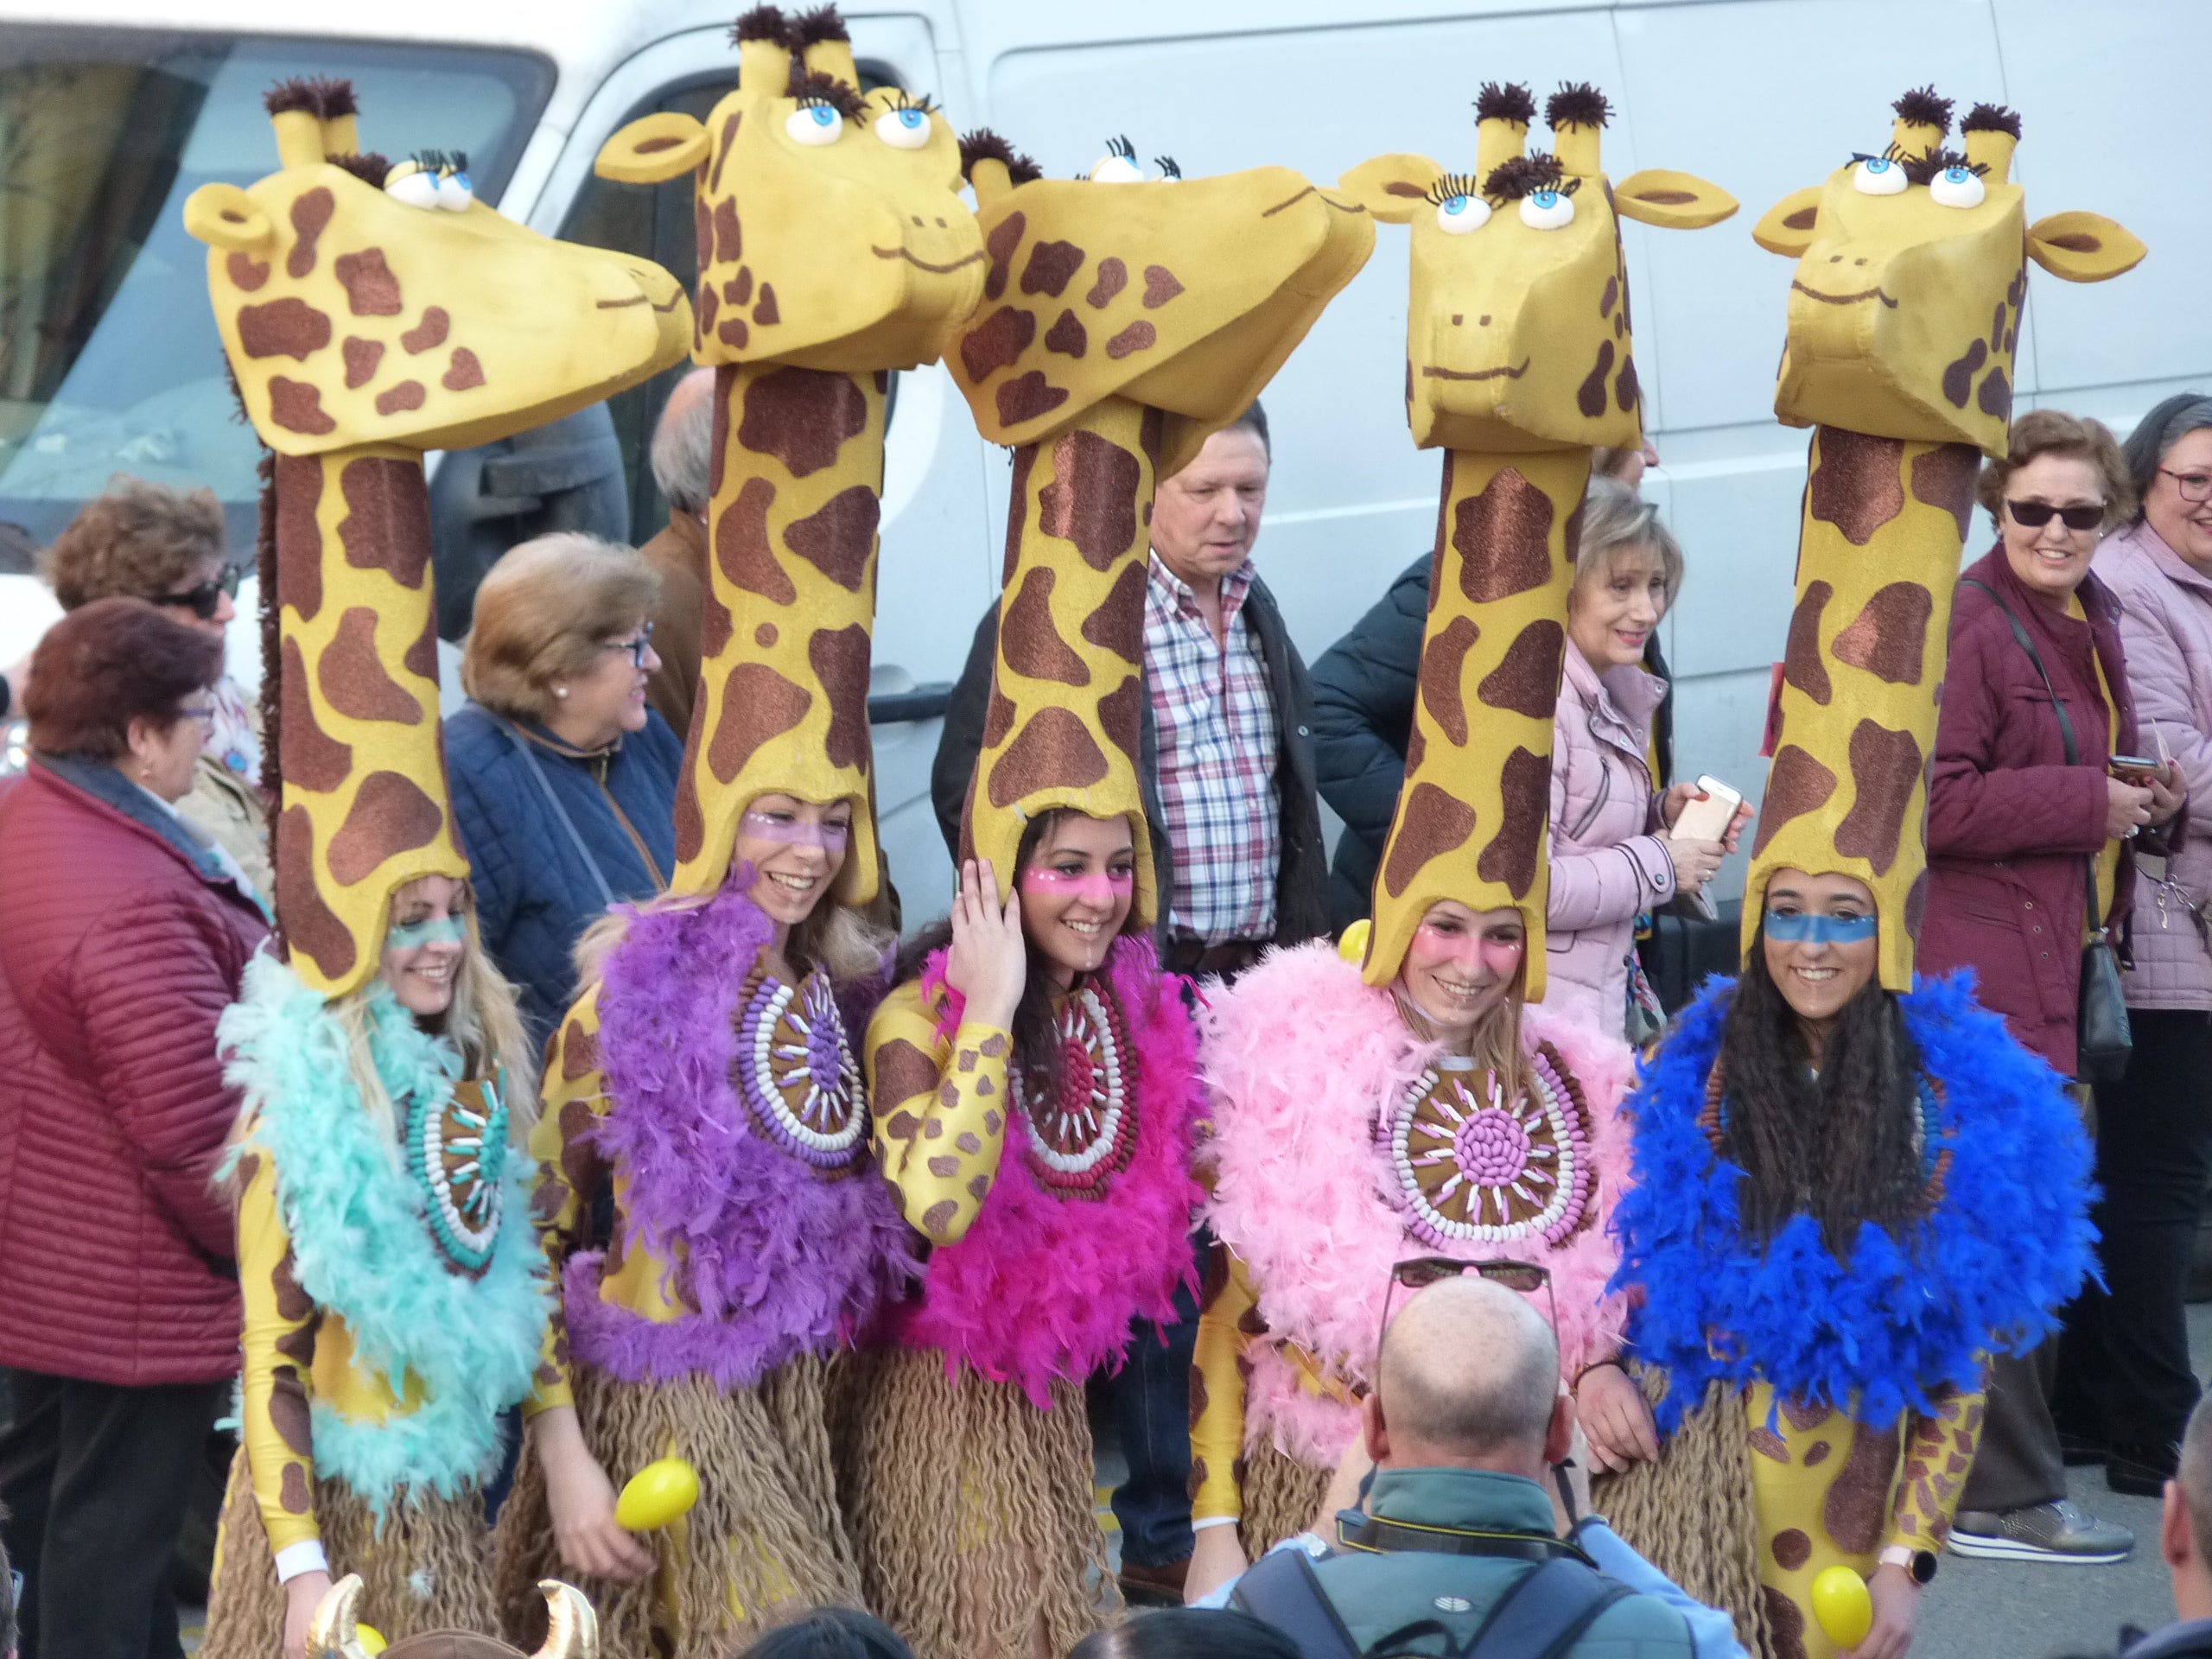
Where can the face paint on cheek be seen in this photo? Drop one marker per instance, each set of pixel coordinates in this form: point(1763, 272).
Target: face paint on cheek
point(1094, 888)
point(445, 929)
point(1497, 958)
point(830, 837)
point(1502, 957)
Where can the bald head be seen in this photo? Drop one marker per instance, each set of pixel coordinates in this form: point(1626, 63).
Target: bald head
point(1470, 1372)
point(683, 451)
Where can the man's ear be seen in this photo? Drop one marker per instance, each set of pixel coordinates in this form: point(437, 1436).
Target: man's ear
point(1559, 1439)
point(1370, 1426)
point(2176, 1538)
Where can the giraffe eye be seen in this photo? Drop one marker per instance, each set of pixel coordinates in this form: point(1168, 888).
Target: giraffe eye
point(1878, 176)
point(1957, 186)
point(815, 123)
point(904, 129)
point(417, 187)
point(1116, 169)
point(1547, 210)
point(455, 192)
point(1457, 215)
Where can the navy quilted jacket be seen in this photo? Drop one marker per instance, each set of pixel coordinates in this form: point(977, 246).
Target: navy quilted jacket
point(535, 892)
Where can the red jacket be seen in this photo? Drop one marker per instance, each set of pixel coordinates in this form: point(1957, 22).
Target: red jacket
point(2009, 822)
point(116, 956)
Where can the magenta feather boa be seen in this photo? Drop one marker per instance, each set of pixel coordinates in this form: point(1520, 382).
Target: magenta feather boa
point(1303, 1057)
point(777, 1260)
point(1044, 1288)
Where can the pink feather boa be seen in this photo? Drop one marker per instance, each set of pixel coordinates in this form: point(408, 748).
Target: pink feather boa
point(1044, 1288)
point(1303, 1057)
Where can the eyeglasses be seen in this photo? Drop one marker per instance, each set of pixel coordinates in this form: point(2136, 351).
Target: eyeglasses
point(207, 597)
point(2194, 486)
point(1422, 1271)
point(636, 647)
point(204, 713)
point(2034, 515)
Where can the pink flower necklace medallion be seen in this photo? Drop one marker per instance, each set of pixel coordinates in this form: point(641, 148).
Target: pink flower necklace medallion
point(1078, 1140)
point(1474, 1167)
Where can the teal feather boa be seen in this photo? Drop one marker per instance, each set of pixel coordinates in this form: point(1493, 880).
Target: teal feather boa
point(362, 1245)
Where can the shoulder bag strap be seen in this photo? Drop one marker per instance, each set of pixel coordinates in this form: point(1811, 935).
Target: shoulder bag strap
point(1544, 1613)
point(560, 812)
point(1282, 1589)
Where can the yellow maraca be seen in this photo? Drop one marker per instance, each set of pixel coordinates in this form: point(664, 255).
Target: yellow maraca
point(664, 1491)
point(1352, 947)
point(1842, 1606)
point(370, 1638)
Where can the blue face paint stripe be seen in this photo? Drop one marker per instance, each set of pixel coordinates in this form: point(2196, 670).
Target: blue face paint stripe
point(445, 929)
point(1804, 929)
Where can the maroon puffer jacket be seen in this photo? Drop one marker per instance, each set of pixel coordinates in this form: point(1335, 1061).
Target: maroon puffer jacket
point(116, 956)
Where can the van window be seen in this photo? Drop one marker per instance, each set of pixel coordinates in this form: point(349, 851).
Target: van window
point(109, 358)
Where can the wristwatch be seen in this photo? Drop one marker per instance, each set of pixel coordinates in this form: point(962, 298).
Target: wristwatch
point(1921, 1563)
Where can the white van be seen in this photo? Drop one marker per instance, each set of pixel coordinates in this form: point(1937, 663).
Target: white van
point(112, 110)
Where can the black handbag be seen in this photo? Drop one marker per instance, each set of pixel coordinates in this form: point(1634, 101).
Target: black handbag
point(2102, 1037)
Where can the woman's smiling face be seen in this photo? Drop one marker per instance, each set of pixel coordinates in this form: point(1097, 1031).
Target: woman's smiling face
point(1462, 963)
point(1821, 941)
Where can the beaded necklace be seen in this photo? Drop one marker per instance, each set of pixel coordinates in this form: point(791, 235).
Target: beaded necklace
point(796, 1069)
point(457, 1153)
point(1078, 1140)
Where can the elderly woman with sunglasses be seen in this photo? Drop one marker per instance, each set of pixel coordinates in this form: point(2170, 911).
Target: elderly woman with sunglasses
point(167, 547)
point(563, 778)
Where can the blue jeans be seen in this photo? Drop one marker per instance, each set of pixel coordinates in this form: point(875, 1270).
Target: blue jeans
point(1152, 1408)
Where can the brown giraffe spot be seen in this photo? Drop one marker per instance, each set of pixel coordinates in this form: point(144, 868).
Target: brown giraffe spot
point(944, 1166)
point(297, 407)
point(730, 238)
point(992, 1047)
point(1067, 336)
point(964, 1060)
point(1858, 1499)
point(1856, 486)
point(1915, 904)
point(838, 538)
point(1885, 765)
point(1590, 396)
point(991, 1119)
point(839, 658)
point(1052, 266)
point(1433, 824)
point(998, 719)
point(249, 1169)
point(938, 1217)
point(738, 290)
point(1159, 286)
point(1958, 374)
point(1769, 1445)
point(310, 214)
point(997, 342)
point(1054, 750)
point(1503, 537)
point(763, 636)
point(1029, 642)
point(1625, 391)
point(1792, 1549)
point(983, 1087)
point(1889, 637)
point(802, 417)
point(1526, 679)
point(1815, 1454)
point(709, 306)
point(1442, 660)
point(1005, 237)
point(1251, 1322)
point(1092, 500)
point(765, 312)
point(285, 328)
point(1804, 1415)
point(1944, 477)
point(1785, 1623)
point(1995, 397)
point(293, 1304)
point(362, 357)
point(408, 394)
point(1117, 624)
point(387, 522)
point(1121, 715)
point(391, 814)
point(371, 291)
point(1511, 858)
point(299, 540)
point(1112, 277)
point(968, 1141)
point(297, 1345)
point(1612, 292)
point(288, 1411)
point(1139, 336)
point(757, 703)
point(579, 1052)
point(1803, 665)
point(463, 372)
point(247, 272)
point(742, 545)
point(353, 680)
point(1200, 1398)
point(1796, 784)
point(901, 1126)
point(292, 1492)
point(431, 331)
point(310, 924)
point(311, 758)
point(979, 1187)
point(722, 148)
point(1018, 508)
point(690, 827)
point(1027, 397)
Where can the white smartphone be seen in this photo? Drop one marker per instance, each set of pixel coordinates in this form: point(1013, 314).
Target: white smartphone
point(1709, 819)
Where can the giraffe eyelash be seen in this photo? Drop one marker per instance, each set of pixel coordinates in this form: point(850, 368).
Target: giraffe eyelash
point(1450, 185)
point(437, 162)
point(1122, 147)
point(900, 100)
point(1168, 167)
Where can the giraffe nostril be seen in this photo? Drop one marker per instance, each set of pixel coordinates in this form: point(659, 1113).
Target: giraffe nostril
point(1482, 321)
point(1457, 318)
point(1859, 262)
point(1835, 258)
point(918, 219)
point(942, 225)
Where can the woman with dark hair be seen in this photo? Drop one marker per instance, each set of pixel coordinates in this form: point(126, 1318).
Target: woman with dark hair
point(833, 1633)
point(121, 939)
point(1188, 1633)
point(2125, 1386)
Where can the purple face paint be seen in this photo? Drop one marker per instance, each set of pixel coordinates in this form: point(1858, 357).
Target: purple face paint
point(1098, 888)
point(830, 837)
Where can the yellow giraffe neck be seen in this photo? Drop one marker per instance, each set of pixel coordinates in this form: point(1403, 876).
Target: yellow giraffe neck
point(784, 642)
point(1877, 559)
point(1067, 693)
point(1472, 817)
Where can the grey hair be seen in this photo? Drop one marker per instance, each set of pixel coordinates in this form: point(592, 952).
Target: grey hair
point(683, 455)
point(1616, 518)
point(2156, 433)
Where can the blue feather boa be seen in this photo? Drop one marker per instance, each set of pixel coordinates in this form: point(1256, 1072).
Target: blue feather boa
point(362, 1245)
point(2006, 1248)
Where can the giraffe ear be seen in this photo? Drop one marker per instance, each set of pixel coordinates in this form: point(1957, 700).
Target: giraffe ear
point(1390, 186)
point(1789, 227)
point(224, 216)
point(653, 149)
point(2080, 247)
point(1674, 201)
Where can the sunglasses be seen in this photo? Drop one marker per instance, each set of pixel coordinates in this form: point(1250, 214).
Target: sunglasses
point(1800, 927)
point(2194, 486)
point(1422, 1271)
point(2034, 515)
point(207, 597)
point(636, 647)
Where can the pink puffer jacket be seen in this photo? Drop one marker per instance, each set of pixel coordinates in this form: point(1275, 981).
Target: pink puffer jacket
point(2165, 624)
point(1606, 864)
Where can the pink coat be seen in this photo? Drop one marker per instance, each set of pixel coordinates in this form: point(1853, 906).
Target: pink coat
point(1606, 864)
point(2165, 624)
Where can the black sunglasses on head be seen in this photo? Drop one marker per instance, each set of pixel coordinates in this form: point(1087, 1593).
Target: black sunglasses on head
point(2034, 515)
point(206, 599)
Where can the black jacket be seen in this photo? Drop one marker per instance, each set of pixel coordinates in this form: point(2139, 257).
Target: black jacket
point(1302, 884)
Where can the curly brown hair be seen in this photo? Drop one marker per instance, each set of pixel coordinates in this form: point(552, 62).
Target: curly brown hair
point(136, 539)
point(2054, 432)
point(107, 664)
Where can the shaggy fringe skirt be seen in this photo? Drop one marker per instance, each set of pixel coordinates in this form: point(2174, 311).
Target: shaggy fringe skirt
point(763, 1544)
point(972, 1510)
point(1282, 1495)
point(429, 1568)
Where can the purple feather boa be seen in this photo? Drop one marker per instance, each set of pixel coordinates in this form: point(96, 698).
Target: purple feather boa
point(1043, 1287)
point(778, 1261)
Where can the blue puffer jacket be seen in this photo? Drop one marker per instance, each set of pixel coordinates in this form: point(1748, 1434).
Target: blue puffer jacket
point(534, 894)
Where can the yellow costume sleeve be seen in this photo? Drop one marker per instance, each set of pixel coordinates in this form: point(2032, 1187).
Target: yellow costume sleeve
point(1218, 1388)
point(279, 1353)
point(938, 1111)
point(1938, 1452)
point(572, 1094)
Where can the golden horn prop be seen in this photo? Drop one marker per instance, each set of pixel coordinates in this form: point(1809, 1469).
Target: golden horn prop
point(571, 1628)
point(334, 1631)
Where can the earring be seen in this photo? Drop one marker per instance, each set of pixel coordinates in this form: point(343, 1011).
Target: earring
point(559, 690)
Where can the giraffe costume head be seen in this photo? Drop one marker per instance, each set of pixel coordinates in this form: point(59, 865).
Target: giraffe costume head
point(1518, 362)
point(834, 248)
point(371, 313)
point(1904, 312)
point(1124, 321)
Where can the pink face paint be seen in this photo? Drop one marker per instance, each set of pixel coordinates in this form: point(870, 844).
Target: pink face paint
point(1499, 956)
point(830, 837)
point(1097, 888)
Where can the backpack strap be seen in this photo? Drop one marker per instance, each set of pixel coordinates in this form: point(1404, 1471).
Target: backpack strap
point(1545, 1612)
point(1282, 1589)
